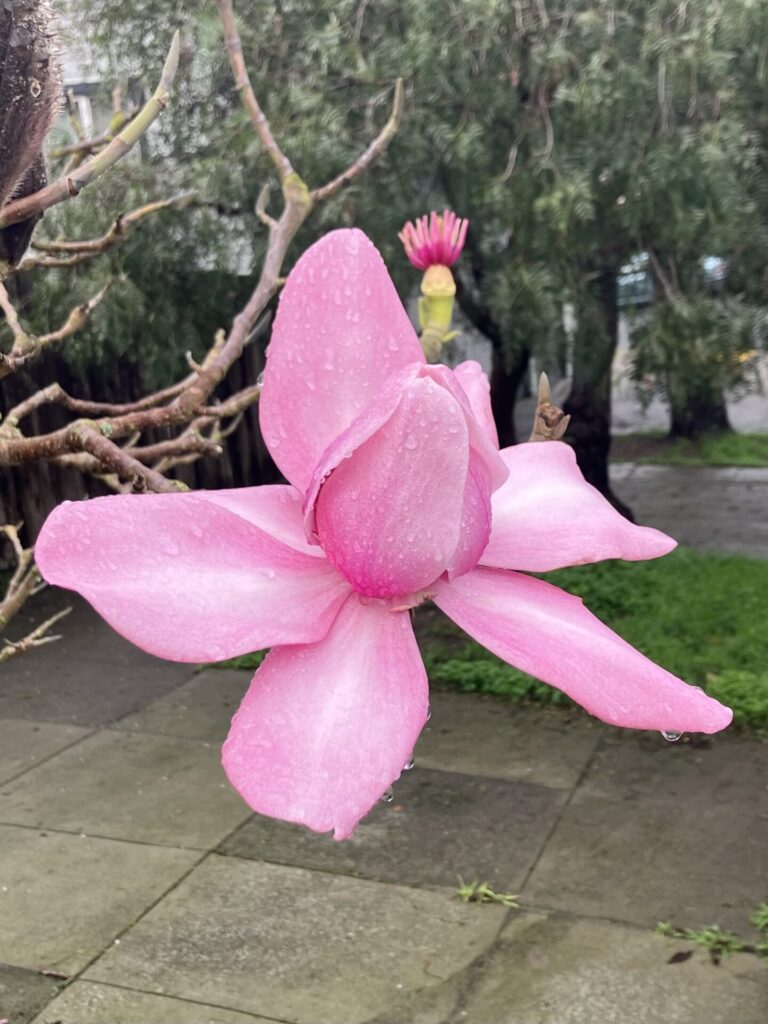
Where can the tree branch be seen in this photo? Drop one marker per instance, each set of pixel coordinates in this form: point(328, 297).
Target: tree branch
point(79, 251)
point(248, 96)
point(71, 184)
point(372, 153)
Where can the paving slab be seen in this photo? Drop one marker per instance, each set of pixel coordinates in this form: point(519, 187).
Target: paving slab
point(23, 993)
point(63, 899)
point(302, 946)
point(662, 832)
point(23, 744)
point(152, 789)
point(89, 677)
point(481, 735)
point(551, 970)
point(712, 508)
point(439, 826)
point(85, 1002)
point(200, 709)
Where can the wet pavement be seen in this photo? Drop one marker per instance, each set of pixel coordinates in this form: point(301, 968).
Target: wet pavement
point(136, 887)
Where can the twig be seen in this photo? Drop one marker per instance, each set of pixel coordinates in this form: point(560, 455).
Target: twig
point(71, 184)
point(37, 638)
point(372, 153)
point(248, 96)
point(28, 346)
point(79, 251)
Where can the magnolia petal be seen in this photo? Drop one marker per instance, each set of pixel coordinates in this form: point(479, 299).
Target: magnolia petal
point(275, 508)
point(547, 516)
point(325, 728)
point(477, 387)
point(340, 331)
point(389, 516)
point(186, 579)
point(550, 634)
point(475, 519)
point(478, 436)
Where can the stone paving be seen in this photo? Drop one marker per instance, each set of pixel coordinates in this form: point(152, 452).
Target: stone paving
point(136, 888)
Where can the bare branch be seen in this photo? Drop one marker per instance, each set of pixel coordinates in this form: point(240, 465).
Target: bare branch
point(28, 346)
point(71, 184)
point(37, 638)
point(79, 251)
point(372, 153)
point(248, 96)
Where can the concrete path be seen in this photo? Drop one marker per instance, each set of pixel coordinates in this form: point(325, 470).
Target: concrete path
point(717, 509)
point(136, 888)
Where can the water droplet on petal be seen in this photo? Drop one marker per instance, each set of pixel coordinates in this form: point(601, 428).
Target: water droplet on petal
point(409, 764)
point(671, 737)
point(388, 795)
point(260, 380)
point(410, 442)
point(429, 713)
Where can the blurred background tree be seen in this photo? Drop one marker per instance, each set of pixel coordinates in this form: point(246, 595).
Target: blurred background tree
point(575, 136)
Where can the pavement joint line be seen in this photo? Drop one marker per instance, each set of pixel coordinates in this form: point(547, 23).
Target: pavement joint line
point(127, 714)
point(110, 839)
point(77, 976)
point(599, 740)
point(48, 757)
point(180, 999)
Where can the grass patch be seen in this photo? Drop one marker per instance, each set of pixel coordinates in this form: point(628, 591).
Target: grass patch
point(723, 449)
point(700, 615)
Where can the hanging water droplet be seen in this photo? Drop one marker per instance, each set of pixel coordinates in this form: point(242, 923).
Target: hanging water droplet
point(388, 795)
point(260, 380)
point(409, 764)
point(671, 737)
point(429, 713)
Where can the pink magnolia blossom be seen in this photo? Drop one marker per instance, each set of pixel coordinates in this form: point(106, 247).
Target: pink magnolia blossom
point(397, 492)
point(436, 241)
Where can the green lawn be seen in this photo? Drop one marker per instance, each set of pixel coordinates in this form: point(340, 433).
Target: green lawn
point(726, 449)
point(702, 616)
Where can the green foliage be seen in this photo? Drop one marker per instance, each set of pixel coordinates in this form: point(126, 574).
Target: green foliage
point(720, 943)
point(693, 348)
point(573, 134)
point(746, 692)
point(481, 892)
point(720, 449)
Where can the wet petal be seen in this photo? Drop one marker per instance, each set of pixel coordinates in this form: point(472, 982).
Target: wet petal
point(275, 508)
point(477, 387)
point(550, 634)
point(547, 516)
point(475, 528)
point(186, 579)
point(340, 331)
point(389, 516)
point(325, 728)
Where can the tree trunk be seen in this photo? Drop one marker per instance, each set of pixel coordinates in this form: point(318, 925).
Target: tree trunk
point(506, 376)
point(696, 413)
point(589, 403)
